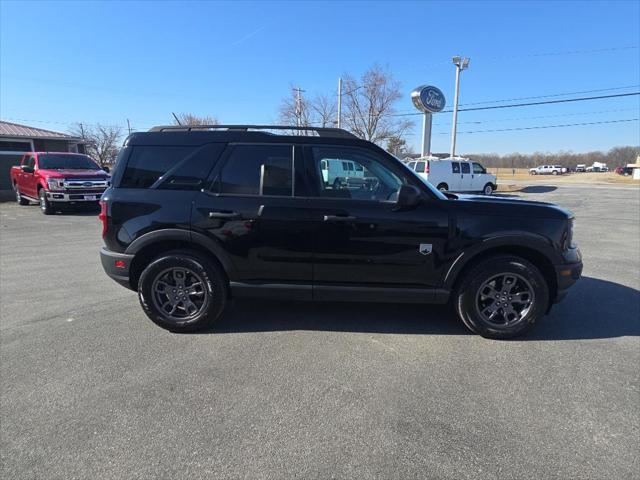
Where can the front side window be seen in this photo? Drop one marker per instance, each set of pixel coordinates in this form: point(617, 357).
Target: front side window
point(465, 167)
point(477, 168)
point(258, 170)
point(374, 181)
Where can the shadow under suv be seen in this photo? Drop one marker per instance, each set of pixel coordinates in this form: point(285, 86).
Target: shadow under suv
point(198, 215)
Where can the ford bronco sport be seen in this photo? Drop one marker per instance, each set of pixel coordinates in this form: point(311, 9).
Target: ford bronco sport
point(198, 215)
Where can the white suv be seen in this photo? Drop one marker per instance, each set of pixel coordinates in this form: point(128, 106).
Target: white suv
point(548, 170)
point(455, 175)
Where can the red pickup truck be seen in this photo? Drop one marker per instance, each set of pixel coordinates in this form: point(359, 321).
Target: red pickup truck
point(54, 179)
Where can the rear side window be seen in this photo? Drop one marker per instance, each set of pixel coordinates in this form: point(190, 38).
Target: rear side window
point(170, 168)
point(258, 170)
point(455, 167)
point(420, 167)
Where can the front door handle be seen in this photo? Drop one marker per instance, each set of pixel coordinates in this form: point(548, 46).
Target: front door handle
point(338, 218)
point(227, 215)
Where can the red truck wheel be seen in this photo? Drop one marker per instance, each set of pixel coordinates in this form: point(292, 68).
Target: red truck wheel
point(45, 205)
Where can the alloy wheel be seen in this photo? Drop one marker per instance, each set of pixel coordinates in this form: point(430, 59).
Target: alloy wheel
point(505, 299)
point(179, 293)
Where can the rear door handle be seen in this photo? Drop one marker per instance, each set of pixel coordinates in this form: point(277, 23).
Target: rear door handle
point(338, 218)
point(227, 215)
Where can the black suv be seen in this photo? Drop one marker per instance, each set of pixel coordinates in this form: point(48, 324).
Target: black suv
point(198, 215)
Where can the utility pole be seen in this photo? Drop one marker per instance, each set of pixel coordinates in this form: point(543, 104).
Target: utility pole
point(339, 102)
point(298, 106)
point(461, 64)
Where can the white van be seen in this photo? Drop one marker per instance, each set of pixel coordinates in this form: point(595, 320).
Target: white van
point(341, 173)
point(455, 175)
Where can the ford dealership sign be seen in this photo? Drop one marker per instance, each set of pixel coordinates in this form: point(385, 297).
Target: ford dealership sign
point(428, 99)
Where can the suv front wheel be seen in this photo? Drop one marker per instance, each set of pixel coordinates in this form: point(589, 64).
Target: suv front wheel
point(502, 297)
point(182, 291)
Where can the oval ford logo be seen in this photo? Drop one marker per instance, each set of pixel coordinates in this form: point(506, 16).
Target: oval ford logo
point(428, 98)
point(87, 184)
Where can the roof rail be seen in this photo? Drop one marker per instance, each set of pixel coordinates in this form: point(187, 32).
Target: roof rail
point(320, 131)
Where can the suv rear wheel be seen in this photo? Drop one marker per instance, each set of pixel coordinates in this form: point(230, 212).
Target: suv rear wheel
point(502, 297)
point(182, 291)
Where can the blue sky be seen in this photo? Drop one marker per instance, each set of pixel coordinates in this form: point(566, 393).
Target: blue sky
point(105, 62)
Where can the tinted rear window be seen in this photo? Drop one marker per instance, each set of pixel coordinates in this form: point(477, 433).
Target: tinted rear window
point(175, 168)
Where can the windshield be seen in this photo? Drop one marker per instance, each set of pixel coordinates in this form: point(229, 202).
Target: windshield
point(66, 162)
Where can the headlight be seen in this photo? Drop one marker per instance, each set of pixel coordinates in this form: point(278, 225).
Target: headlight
point(567, 236)
point(55, 184)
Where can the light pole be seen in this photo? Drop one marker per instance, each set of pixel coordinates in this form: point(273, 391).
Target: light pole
point(461, 64)
point(339, 102)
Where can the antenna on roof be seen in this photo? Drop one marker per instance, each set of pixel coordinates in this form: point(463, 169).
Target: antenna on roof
point(176, 117)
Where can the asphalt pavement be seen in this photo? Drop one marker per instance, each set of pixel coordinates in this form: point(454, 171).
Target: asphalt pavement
point(90, 388)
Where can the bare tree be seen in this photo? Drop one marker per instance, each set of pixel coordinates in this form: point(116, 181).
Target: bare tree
point(324, 110)
point(369, 106)
point(102, 141)
point(192, 119)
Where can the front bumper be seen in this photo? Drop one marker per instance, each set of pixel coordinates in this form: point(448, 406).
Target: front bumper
point(56, 197)
point(568, 273)
point(117, 266)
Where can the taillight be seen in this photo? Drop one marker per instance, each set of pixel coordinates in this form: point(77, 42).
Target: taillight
point(103, 217)
point(426, 167)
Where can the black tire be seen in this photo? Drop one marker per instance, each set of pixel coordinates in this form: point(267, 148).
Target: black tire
point(45, 204)
point(488, 189)
point(468, 298)
point(214, 287)
point(555, 172)
point(19, 198)
point(443, 187)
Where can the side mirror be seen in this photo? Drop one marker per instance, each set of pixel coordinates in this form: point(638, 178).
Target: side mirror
point(408, 197)
point(26, 169)
point(105, 169)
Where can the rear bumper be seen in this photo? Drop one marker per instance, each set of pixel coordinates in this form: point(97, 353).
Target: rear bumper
point(117, 266)
point(568, 273)
point(73, 197)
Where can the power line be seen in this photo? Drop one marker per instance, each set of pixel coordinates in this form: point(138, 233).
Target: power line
point(542, 96)
point(535, 117)
point(538, 127)
point(547, 102)
point(553, 95)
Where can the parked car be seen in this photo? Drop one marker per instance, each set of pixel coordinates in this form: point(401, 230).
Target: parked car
point(598, 167)
point(455, 175)
point(548, 170)
point(55, 179)
point(624, 171)
point(581, 167)
point(195, 217)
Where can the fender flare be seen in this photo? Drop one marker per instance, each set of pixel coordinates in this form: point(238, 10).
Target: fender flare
point(177, 234)
point(530, 241)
